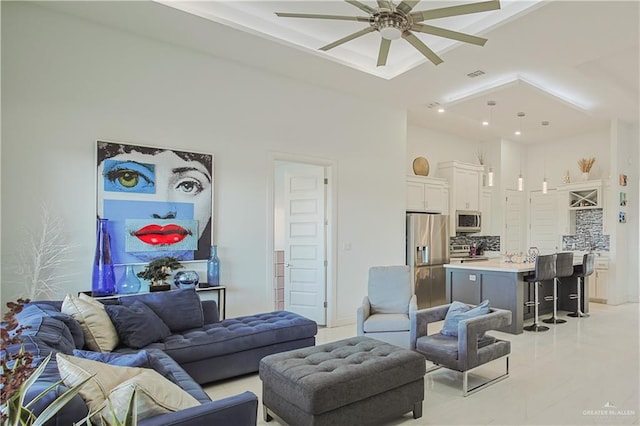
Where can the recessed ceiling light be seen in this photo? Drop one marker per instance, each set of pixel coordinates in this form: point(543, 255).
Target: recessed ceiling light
point(517, 133)
point(485, 123)
point(440, 110)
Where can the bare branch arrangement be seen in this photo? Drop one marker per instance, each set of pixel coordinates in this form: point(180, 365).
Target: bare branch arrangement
point(585, 164)
point(41, 262)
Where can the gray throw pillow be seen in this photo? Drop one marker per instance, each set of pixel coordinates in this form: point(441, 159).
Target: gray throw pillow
point(459, 311)
point(137, 325)
point(179, 309)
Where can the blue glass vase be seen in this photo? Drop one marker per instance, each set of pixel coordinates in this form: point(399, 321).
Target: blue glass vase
point(103, 282)
point(213, 267)
point(130, 283)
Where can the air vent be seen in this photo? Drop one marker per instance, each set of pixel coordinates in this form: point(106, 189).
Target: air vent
point(475, 74)
point(433, 104)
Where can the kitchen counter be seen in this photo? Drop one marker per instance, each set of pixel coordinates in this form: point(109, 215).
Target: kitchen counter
point(503, 284)
point(499, 265)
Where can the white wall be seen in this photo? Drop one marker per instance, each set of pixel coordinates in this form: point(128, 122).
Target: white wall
point(438, 147)
point(559, 156)
point(68, 82)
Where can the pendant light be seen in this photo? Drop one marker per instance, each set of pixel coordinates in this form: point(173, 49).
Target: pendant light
point(518, 133)
point(520, 183)
point(520, 116)
point(490, 104)
point(545, 188)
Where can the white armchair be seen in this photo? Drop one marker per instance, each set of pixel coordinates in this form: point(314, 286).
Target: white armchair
point(384, 314)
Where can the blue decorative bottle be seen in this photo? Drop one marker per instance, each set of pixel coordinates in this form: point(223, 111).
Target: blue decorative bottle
point(104, 279)
point(213, 267)
point(130, 283)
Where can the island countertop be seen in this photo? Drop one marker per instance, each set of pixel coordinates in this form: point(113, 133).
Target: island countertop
point(499, 265)
point(496, 265)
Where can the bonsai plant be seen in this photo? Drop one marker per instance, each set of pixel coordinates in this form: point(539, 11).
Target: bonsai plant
point(158, 270)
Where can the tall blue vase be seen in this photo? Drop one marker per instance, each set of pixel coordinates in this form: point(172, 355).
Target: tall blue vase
point(213, 267)
point(104, 279)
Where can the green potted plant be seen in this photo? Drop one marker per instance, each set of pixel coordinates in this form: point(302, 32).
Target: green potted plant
point(158, 270)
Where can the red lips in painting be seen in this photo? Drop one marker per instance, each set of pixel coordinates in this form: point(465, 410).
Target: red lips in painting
point(161, 235)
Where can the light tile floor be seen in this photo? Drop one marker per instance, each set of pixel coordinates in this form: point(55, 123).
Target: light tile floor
point(583, 372)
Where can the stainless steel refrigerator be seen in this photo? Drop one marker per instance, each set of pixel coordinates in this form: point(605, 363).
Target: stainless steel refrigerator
point(427, 252)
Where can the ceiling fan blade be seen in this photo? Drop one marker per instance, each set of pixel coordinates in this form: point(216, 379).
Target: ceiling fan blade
point(462, 9)
point(313, 16)
point(384, 52)
point(415, 41)
point(361, 6)
point(386, 4)
point(407, 5)
point(454, 35)
point(348, 38)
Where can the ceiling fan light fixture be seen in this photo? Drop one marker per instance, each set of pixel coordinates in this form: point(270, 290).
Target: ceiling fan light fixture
point(390, 29)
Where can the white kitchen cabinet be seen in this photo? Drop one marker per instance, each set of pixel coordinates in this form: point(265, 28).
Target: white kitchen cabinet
point(485, 208)
point(465, 182)
point(577, 196)
point(598, 282)
point(468, 189)
point(425, 194)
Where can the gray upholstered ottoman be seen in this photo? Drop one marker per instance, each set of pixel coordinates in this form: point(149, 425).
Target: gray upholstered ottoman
point(355, 381)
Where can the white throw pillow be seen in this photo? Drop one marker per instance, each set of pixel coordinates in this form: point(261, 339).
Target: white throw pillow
point(99, 332)
point(154, 394)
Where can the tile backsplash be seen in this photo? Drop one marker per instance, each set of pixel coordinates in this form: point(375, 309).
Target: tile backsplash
point(588, 234)
point(492, 243)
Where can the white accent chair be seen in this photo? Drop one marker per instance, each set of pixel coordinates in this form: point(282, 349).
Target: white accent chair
point(384, 314)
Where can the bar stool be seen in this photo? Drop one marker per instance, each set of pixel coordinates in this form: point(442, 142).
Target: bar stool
point(581, 272)
point(545, 270)
point(564, 268)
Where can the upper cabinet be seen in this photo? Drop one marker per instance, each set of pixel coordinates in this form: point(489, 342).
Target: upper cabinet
point(427, 194)
point(465, 184)
point(578, 196)
point(582, 195)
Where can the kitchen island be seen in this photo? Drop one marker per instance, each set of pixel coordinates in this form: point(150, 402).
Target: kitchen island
point(503, 284)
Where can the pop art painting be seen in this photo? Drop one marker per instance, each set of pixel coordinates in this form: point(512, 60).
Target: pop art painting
point(159, 201)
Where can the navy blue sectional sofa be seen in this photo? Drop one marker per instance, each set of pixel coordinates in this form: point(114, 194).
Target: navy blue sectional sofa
point(213, 351)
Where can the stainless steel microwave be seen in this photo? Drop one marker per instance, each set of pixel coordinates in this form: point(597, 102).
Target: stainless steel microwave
point(468, 221)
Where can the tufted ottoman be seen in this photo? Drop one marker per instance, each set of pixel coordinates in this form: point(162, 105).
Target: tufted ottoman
point(355, 381)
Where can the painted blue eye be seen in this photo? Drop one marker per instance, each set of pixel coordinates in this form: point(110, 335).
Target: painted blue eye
point(129, 176)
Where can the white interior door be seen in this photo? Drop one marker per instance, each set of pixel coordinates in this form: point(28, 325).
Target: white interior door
point(305, 242)
point(543, 221)
point(514, 222)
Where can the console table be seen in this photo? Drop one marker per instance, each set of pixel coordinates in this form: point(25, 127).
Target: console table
point(220, 290)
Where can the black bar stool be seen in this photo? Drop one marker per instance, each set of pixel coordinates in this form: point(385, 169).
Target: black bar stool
point(545, 270)
point(581, 272)
point(564, 268)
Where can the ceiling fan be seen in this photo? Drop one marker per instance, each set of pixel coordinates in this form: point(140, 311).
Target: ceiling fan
point(395, 21)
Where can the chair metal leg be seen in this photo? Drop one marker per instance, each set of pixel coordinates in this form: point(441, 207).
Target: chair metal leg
point(465, 381)
point(553, 319)
point(578, 313)
point(536, 325)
